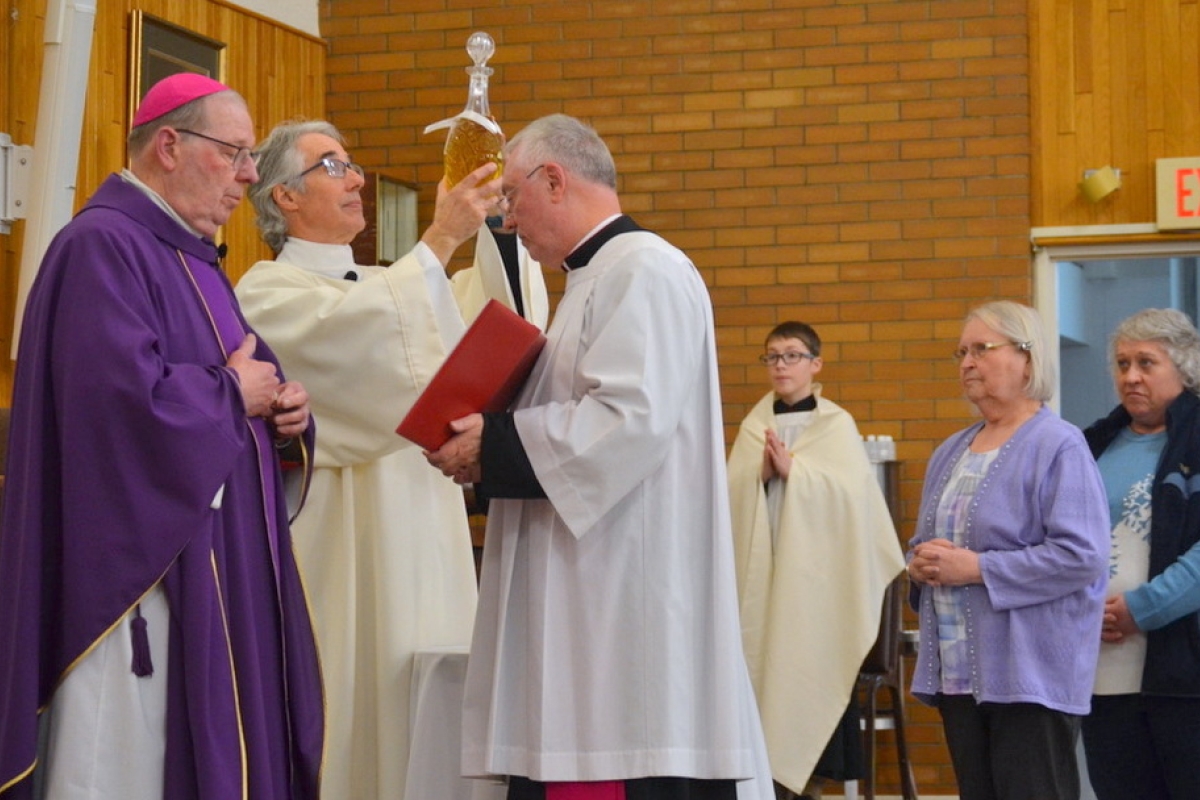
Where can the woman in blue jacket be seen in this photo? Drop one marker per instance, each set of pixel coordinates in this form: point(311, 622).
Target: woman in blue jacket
point(1142, 738)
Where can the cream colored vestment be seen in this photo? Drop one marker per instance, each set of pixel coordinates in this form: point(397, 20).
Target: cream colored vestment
point(811, 593)
point(608, 645)
point(383, 542)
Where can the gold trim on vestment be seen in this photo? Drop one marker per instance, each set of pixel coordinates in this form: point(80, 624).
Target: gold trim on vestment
point(237, 700)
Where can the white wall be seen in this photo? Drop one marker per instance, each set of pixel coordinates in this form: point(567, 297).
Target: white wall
point(300, 14)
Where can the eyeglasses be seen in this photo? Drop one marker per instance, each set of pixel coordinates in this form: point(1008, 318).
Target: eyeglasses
point(241, 154)
point(790, 357)
point(334, 168)
point(507, 197)
point(980, 349)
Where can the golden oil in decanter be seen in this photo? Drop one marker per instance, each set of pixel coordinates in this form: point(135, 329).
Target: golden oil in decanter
point(470, 146)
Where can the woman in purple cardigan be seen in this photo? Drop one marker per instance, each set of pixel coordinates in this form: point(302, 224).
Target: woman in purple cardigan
point(1008, 569)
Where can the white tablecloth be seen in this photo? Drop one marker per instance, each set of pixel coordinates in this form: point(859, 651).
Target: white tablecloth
point(435, 725)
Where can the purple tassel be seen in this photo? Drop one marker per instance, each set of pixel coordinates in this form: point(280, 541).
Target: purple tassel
point(142, 666)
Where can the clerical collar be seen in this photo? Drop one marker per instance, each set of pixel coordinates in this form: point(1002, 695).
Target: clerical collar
point(129, 177)
point(582, 255)
point(807, 404)
point(328, 260)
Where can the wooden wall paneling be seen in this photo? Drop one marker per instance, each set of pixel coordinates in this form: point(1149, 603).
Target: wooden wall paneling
point(1064, 36)
point(1081, 32)
point(1180, 71)
point(8, 243)
point(1107, 141)
point(8, 251)
point(1056, 42)
point(106, 112)
point(23, 32)
point(1061, 33)
point(1161, 60)
point(1143, 99)
point(1144, 111)
point(1115, 82)
point(1123, 85)
point(1041, 59)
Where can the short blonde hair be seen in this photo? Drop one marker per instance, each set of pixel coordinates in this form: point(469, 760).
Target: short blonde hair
point(1022, 324)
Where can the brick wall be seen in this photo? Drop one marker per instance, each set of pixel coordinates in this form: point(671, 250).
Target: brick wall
point(860, 165)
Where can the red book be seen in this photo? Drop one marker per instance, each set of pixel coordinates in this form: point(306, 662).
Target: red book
point(483, 372)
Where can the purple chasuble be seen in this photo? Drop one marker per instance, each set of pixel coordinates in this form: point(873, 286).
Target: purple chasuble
point(125, 424)
point(231, 330)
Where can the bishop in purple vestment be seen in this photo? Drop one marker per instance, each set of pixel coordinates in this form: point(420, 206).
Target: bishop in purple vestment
point(148, 430)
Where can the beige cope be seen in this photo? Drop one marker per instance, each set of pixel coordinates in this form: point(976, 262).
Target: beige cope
point(810, 593)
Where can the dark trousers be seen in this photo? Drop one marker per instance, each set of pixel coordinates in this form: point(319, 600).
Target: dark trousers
point(1143, 747)
point(520, 788)
point(1011, 751)
point(844, 758)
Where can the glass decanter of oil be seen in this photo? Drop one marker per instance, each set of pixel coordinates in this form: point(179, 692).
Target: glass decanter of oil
point(475, 137)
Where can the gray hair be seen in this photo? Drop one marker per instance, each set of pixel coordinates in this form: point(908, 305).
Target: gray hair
point(567, 141)
point(1170, 328)
point(189, 116)
point(1022, 324)
point(280, 164)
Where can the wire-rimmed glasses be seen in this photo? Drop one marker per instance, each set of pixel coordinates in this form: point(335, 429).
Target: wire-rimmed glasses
point(334, 168)
point(240, 155)
point(980, 349)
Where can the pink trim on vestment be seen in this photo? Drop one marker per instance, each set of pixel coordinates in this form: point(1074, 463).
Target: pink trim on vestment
point(591, 790)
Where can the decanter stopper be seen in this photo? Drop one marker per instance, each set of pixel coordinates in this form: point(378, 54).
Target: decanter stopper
point(481, 47)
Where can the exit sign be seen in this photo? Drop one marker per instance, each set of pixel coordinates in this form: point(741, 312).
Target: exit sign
point(1177, 193)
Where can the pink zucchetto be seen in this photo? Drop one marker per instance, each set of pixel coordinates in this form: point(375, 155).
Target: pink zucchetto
point(172, 92)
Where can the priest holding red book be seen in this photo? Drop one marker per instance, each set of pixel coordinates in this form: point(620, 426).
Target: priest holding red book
point(606, 662)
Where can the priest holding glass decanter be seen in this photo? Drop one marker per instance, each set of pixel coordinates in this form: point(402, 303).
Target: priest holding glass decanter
point(384, 542)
